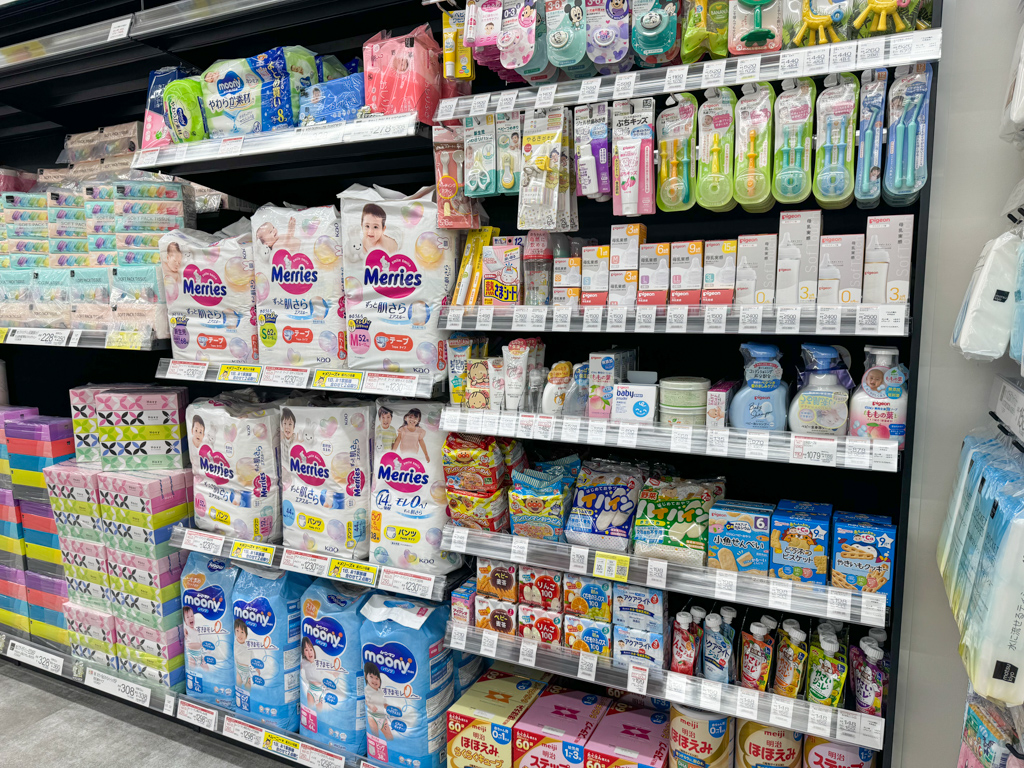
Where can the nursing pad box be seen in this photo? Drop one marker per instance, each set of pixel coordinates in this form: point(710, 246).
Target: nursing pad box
point(630, 737)
point(299, 287)
point(738, 537)
point(672, 520)
point(800, 544)
point(863, 553)
point(480, 724)
point(206, 587)
point(555, 729)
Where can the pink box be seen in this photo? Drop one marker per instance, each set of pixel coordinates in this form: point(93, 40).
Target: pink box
point(628, 730)
point(91, 622)
point(131, 634)
point(574, 713)
point(145, 570)
point(146, 484)
point(144, 399)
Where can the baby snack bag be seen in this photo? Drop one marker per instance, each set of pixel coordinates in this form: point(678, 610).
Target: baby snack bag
point(206, 587)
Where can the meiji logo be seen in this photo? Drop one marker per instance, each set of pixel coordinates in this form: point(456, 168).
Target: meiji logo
point(230, 83)
point(404, 475)
point(215, 465)
point(393, 659)
point(325, 634)
point(628, 729)
point(257, 615)
point(309, 465)
point(566, 712)
point(394, 277)
point(203, 285)
point(293, 272)
point(209, 603)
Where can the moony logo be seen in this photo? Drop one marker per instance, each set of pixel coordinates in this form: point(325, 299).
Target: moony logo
point(293, 272)
point(203, 285)
point(209, 603)
point(326, 634)
point(230, 83)
point(404, 475)
point(257, 615)
point(393, 660)
point(393, 277)
point(214, 465)
point(309, 465)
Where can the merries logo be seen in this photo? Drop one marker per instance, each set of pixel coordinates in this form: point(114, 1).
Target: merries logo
point(393, 277)
point(309, 465)
point(203, 285)
point(294, 272)
point(258, 615)
point(208, 603)
point(393, 659)
point(404, 475)
point(326, 634)
point(215, 465)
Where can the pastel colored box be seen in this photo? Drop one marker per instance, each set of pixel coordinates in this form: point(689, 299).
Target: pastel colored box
point(46, 428)
point(480, 723)
point(88, 641)
point(81, 573)
point(99, 658)
point(586, 635)
point(139, 418)
point(540, 624)
point(153, 454)
point(863, 553)
point(642, 608)
point(540, 587)
point(89, 621)
point(170, 657)
point(163, 594)
point(800, 542)
point(143, 570)
point(554, 731)
point(145, 399)
point(464, 603)
point(141, 637)
point(143, 432)
point(635, 646)
point(738, 539)
point(76, 526)
point(87, 593)
point(152, 522)
point(630, 737)
point(587, 597)
point(174, 680)
point(496, 615)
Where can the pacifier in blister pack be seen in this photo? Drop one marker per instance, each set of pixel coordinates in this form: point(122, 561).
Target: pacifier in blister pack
point(717, 131)
point(538, 69)
point(755, 26)
point(869, 152)
point(833, 166)
point(654, 27)
point(567, 32)
point(677, 140)
point(794, 130)
point(608, 35)
point(516, 40)
point(754, 113)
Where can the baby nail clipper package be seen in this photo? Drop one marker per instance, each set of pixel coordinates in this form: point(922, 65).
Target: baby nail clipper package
point(480, 151)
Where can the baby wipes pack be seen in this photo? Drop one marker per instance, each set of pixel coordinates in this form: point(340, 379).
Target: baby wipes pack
point(408, 680)
point(399, 270)
point(604, 506)
point(206, 587)
point(331, 706)
point(409, 506)
point(299, 281)
point(672, 520)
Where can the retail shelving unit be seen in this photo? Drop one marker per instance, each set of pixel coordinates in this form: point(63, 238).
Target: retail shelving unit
point(50, 337)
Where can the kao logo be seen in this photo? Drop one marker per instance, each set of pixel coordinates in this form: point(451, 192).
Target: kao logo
point(309, 465)
point(294, 272)
point(203, 285)
point(393, 277)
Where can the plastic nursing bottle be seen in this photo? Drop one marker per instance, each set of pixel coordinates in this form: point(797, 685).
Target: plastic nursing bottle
point(878, 408)
point(820, 406)
point(761, 402)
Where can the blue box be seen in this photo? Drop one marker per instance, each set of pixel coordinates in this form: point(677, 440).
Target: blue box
point(14, 605)
point(46, 616)
point(332, 102)
point(42, 539)
point(11, 530)
point(863, 552)
point(814, 507)
point(800, 542)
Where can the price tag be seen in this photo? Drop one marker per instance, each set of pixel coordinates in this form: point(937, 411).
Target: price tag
point(616, 319)
point(315, 757)
point(538, 317)
point(675, 79)
point(636, 681)
point(521, 319)
point(454, 321)
point(714, 318)
point(560, 318)
point(449, 420)
point(587, 669)
point(718, 441)
point(446, 110)
point(123, 689)
point(858, 453)
point(901, 47)
point(545, 428)
point(283, 376)
point(751, 316)
point(459, 637)
point(816, 451)
point(748, 69)
point(36, 657)
point(187, 370)
point(870, 52)
point(756, 445)
point(406, 582)
point(819, 720)
point(229, 148)
point(460, 537)
point(202, 541)
point(682, 438)
point(484, 318)
point(169, 705)
point(712, 74)
point(526, 425)
point(871, 730)
point(677, 687)
point(363, 574)
point(76, 336)
point(624, 84)
point(578, 559)
point(675, 319)
point(816, 60)
point(645, 317)
point(394, 384)
point(520, 546)
point(883, 455)
point(507, 424)
point(507, 100)
point(627, 435)
point(589, 90)
point(608, 565)
point(119, 29)
point(838, 605)
point(309, 563)
point(592, 317)
point(475, 421)
point(927, 44)
point(787, 320)
point(281, 745)
point(240, 374)
point(596, 429)
point(489, 643)
point(545, 96)
point(197, 715)
point(528, 653)
point(746, 703)
point(780, 594)
point(847, 726)
point(827, 320)
point(872, 609)
point(781, 713)
point(843, 57)
point(262, 554)
point(890, 320)
point(710, 695)
point(725, 585)
point(791, 64)
point(657, 573)
point(146, 158)
point(867, 320)
point(478, 106)
point(247, 733)
point(42, 337)
point(571, 429)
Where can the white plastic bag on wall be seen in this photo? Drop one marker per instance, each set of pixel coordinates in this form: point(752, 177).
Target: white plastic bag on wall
point(982, 328)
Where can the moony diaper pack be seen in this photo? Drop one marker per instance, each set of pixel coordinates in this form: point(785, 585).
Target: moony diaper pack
point(408, 681)
point(299, 284)
point(206, 587)
point(331, 706)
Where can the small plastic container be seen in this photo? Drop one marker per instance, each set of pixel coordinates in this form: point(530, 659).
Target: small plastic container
point(684, 391)
point(693, 417)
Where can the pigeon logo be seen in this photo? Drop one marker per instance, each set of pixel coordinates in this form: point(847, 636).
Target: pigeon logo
point(293, 272)
point(309, 465)
point(203, 285)
point(392, 659)
point(566, 712)
point(230, 83)
point(208, 603)
point(257, 615)
point(214, 465)
point(404, 475)
point(393, 277)
point(326, 634)
point(628, 729)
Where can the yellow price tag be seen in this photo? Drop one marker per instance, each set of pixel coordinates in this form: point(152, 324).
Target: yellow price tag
point(341, 381)
point(127, 339)
point(351, 571)
point(3, 334)
point(280, 745)
point(240, 374)
point(253, 552)
point(609, 566)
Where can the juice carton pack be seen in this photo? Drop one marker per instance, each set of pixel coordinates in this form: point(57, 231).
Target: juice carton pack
point(540, 624)
point(586, 635)
point(799, 543)
point(640, 608)
point(555, 730)
point(540, 587)
point(630, 737)
point(588, 597)
point(464, 603)
point(738, 537)
point(634, 646)
point(863, 548)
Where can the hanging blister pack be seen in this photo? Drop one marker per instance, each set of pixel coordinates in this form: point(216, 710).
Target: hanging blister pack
point(885, 17)
point(633, 157)
point(593, 153)
point(608, 35)
point(509, 130)
point(755, 26)
point(794, 132)
point(906, 164)
point(754, 119)
point(655, 31)
point(537, 70)
point(833, 161)
point(567, 33)
point(693, 31)
point(483, 24)
point(538, 183)
point(454, 210)
point(815, 22)
point(481, 176)
point(568, 211)
point(870, 137)
point(677, 152)
point(517, 39)
point(717, 132)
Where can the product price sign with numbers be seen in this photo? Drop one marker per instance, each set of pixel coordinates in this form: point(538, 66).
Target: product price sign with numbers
point(870, 52)
point(446, 109)
point(816, 60)
point(781, 713)
point(596, 431)
point(624, 84)
point(136, 693)
point(714, 318)
point(636, 680)
point(263, 554)
point(592, 317)
point(187, 370)
point(787, 320)
point(560, 318)
point(460, 537)
point(657, 573)
point(247, 733)
point(202, 541)
point(627, 435)
point(521, 318)
point(407, 582)
point(507, 100)
point(751, 317)
point(682, 438)
point(571, 429)
point(842, 57)
point(616, 319)
point(675, 79)
point(675, 319)
point(756, 445)
point(545, 96)
point(712, 74)
point(545, 427)
point(528, 653)
point(489, 643)
point(587, 669)
point(284, 376)
point(578, 559)
point(611, 566)
point(746, 703)
point(455, 318)
point(475, 421)
point(718, 441)
point(478, 106)
point(197, 715)
point(484, 318)
point(589, 90)
point(827, 320)
point(817, 451)
point(819, 720)
point(791, 64)
point(867, 320)
point(725, 585)
point(309, 563)
point(527, 424)
point(748, 69)
point(507, 424)
point(315, 757)
point(645, 317)
point(35, 657)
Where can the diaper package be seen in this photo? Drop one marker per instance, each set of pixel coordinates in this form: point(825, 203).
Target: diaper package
point(672, 520)
point(982, 328)
point(211, 296)
point(299, 284)
point(399, 270)
point(331, 706)
point(325, 474)
point(604, 506)
point(408, 681)
point(206, 587)
point(265, 608)
point(409, 500)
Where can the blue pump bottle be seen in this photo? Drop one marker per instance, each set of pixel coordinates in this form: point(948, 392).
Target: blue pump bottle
point(762, 402)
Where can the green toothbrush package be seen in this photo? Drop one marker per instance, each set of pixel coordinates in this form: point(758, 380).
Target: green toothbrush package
point(837, 125)
point(754, 118)
point(677, 142)
point(794, 130)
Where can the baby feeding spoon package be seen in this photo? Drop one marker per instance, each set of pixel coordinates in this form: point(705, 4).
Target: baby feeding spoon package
point(837, 126)
point(454, 210)
point(754, 121)
point(677, 142)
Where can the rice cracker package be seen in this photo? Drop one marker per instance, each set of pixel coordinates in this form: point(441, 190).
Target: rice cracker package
point(672, 520)
point(604, 506)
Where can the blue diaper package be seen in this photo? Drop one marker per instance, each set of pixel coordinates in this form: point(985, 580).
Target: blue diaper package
point(206, 587)
point(331, 707)
point(408, 681)
point(265, 607)
point(331, 102)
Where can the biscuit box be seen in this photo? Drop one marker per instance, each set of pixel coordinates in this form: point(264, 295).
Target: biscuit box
point(863, 548)
point(497, 579)
point(554, 731)
point(480, 723)
point(588, 597)
point(464, 603)
point(738, 537)
point(495, 615)
point(800, 542)
point(588, 636)
point(630, 737)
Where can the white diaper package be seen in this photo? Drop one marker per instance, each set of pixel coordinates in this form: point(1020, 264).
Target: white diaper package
point(327, 457)
point(211, 296)
point(410, 505)
point(299, 287)
point(982, 328)
point(604, 506)
point(399, 270)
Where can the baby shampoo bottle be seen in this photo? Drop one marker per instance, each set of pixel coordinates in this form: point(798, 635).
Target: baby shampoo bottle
point(820, 405)
point(761, 402)
point(878, 409)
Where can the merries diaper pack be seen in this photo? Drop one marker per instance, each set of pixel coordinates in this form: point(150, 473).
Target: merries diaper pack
point(206, 587)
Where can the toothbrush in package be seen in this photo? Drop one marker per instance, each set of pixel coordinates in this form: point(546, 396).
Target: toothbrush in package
point(906, 164)
point(869, 149)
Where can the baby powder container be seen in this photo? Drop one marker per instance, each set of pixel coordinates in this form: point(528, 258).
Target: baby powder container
point(767, 746)
point(684, 391)
point(820, 406)
point(762, 400)
point(693, 417)
point(701, 739)
point(878, 407)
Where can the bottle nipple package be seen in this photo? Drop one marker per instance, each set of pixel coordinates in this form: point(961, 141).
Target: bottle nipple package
point(833, 163)
point(754, 113)
point(717, 133)
point(677, 150)
point(794, 131)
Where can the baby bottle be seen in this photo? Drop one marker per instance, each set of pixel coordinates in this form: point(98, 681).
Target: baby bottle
point(878, 408)
point(761, 402)
point(820, 405)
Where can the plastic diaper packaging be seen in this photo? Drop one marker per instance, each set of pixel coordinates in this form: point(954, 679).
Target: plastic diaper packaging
point(409, 500)
point(408, 681)
point(265, 609)
point(299, 287)
point(672, 520)
point(207, 584)
point(332, 710)
point(331, 102)
point(604, 506)
point(185, 110)
point(400, 269)
point(211, 296)
point(327, 456)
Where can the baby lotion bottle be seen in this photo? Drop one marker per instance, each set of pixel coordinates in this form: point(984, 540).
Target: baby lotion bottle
point(820, 405)
point(762, 401)
point(878, 409)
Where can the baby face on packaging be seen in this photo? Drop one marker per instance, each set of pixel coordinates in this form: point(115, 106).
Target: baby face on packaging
point(198, 431)
point(172, 262)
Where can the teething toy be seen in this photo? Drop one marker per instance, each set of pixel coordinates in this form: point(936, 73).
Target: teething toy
point(816, 25)
point(882, 10)
point(759, 35)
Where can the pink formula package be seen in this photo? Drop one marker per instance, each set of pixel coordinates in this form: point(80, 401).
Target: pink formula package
point(402, 76)
point(556, 727)
point(630, 737)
